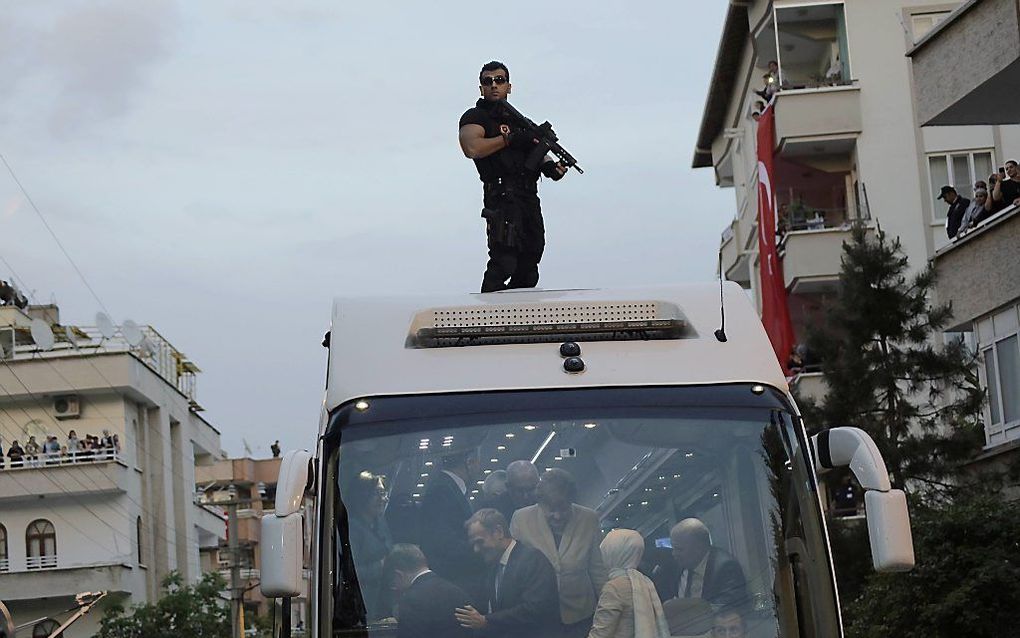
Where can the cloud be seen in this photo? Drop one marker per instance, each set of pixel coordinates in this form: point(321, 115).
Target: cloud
point(89, 60)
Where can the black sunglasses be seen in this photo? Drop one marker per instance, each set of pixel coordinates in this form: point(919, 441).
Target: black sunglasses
point(488, 80)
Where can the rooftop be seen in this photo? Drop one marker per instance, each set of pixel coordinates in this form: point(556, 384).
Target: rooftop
point(36, 333)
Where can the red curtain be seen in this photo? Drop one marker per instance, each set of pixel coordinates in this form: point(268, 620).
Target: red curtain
point(775, 313)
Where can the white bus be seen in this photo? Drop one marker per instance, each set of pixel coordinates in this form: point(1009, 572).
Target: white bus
point(656, 416)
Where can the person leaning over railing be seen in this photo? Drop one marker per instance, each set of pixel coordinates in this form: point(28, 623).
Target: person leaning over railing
point(1005, 189)
point(979, 210)
point(16, 454)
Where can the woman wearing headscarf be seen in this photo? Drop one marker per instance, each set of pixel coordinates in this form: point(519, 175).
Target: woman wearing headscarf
point(629, 606)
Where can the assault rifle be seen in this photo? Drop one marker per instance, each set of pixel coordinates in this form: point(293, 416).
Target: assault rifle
point(546, 136)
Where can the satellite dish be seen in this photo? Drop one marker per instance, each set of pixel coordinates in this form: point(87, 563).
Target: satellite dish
point(42, 334)
point(105, 325)
point(71, 337)
point(132, 332)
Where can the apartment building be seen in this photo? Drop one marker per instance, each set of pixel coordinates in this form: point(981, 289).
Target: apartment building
point(249, 486)
point(850, 145)
point(960, 82)
point(117, 513)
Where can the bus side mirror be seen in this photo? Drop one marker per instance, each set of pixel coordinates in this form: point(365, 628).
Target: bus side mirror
point(892, 547)
point(281, 534)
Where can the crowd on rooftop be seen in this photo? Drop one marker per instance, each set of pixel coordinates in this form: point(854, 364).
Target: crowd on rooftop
point(52, 452)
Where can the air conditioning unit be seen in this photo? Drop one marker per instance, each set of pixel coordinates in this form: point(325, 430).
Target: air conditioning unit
point(67, 406)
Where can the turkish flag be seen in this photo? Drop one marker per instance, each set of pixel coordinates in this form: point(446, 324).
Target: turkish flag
point(775, 313)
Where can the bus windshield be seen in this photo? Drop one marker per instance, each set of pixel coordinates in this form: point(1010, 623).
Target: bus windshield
point(591, 512)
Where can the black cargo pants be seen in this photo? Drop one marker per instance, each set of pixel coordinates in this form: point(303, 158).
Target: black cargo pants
point(515, 234)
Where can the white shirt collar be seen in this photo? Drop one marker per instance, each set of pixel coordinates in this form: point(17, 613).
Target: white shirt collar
point(458, 480)
point(506, 555)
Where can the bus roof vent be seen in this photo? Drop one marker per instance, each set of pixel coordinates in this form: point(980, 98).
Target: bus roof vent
point(547, 323)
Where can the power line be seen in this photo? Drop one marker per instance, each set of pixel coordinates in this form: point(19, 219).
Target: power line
point(128, 516)
point(56, 239)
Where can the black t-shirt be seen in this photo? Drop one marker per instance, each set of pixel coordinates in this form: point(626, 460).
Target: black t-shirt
point(1010, 191)
point(504, 163)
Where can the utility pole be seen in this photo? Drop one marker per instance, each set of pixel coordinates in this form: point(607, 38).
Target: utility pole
point(236, 591)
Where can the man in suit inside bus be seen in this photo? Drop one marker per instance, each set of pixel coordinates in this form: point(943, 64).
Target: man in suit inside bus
point(444, 509)
point(522, 598)
point(701, 569)
point(426, 601)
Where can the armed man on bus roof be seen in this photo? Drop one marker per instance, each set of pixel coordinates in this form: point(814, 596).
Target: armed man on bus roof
point(509, 151)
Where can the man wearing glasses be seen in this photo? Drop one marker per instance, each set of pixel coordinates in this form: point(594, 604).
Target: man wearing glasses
point(514, 229)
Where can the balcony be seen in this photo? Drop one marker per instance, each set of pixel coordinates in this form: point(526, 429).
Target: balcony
point(812, 258)
point(52, 582)
point(966, 69)
point(978, 270)
point(41, 562)
point(65, 475)
point(814, 116)
point(5, 565)
point(809, 385)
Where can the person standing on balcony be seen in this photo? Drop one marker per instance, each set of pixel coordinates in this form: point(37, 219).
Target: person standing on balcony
point(957, 207)
point(15, 454)
point(31, 450)
point(1006, 192)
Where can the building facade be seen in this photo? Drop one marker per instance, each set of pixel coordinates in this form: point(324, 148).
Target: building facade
point(111, 506)
point(967, 71)
point(249, 487)
point(850, 145)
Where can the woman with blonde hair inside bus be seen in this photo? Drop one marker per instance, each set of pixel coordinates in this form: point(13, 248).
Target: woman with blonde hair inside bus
point(628, 607)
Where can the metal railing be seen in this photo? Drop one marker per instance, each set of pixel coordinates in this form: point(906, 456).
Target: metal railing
point(5, 565)
point(64, 458)
point(41, 562)
point(154, 351)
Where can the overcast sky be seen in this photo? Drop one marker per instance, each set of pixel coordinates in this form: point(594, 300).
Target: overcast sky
point(222, 170)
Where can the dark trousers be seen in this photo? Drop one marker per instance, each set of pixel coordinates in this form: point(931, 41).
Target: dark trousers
point(514, 264)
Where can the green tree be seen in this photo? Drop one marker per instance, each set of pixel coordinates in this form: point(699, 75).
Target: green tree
point(966, 582)
point(184, 610)
point(879, 344)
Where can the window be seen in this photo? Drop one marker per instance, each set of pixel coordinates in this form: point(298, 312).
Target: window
point(41, 543)
point(999, 344)
point(4, 564)
point(641, 459)
point(960, 170)
point(812, 46)
point(923, 23)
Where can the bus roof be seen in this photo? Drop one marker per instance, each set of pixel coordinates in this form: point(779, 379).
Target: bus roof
point(377, 346)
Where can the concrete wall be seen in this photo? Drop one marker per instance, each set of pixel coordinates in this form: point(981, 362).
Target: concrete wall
point(982, 271)
point(964, 66)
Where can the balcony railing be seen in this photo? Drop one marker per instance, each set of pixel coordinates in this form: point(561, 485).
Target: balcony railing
point(66, 458)
point(5, 565)
point(72, 341)
point(41, 562)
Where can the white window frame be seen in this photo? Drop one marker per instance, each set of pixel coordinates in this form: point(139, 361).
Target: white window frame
point(817, 3)
point(941, 13)
point(1005, 431)
point(939, 209)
